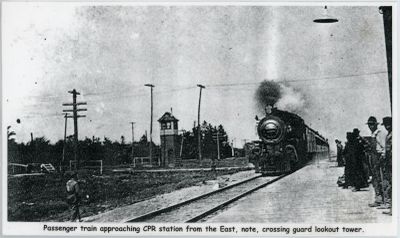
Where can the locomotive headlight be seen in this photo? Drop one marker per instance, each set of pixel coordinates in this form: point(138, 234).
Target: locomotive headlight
point(271, 129)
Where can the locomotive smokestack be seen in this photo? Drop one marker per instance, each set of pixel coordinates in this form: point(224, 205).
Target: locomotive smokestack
point(268, 109)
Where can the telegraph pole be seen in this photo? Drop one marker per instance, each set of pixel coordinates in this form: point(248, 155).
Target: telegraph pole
point(33, 147)
point(387, 26)
point(65, 142)
point(198, 122)
point(219, 157)
point(133, 138)
point(233, 150)
point(151, 122)
point(216, 136)
point(75, 116)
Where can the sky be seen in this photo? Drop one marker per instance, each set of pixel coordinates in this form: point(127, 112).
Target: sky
point(333, 75)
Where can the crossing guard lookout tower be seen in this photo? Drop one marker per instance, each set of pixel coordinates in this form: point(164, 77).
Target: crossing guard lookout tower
point(169, 139)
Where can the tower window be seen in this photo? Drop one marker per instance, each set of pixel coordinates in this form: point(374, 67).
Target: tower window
point(168, 125)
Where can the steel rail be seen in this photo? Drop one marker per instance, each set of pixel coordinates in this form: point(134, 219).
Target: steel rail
point(224, 204)
point(180, 204)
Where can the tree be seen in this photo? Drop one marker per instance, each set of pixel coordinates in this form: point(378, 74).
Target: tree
point(40, 150)
point(208, 141)
point(143, 139)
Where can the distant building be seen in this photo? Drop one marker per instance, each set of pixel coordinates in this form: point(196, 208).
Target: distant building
point(169, 140)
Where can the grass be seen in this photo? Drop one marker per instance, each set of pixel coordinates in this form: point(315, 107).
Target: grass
point(43, 198)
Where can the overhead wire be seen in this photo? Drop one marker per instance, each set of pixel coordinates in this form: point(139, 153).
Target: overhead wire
point(186, 87)
point(296, 80)
point(121, 94)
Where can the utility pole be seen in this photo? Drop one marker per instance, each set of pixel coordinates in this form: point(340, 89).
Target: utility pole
point(151, 122)
point(198, 122)
point(65, 142)
point(133, 138)
point(216, 137)
point(75, 116)
point(33, 147)
point(213, 165)
point(219, 157)
point(387, 26)
point(233, 150)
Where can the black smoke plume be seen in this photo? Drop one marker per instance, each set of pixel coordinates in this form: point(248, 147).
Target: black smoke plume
point(268, 93)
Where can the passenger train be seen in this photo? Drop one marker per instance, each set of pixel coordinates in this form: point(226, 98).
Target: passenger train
point(285, 143)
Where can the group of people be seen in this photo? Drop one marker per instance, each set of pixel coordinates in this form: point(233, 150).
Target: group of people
point(369, 160)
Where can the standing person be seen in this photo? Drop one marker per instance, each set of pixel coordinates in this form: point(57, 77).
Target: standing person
point(363, 153)
point(376, 153)
point(74, 196)
point(359, 175)
point(347, 154)
point(387, 164)
point(339, 153)
point(255, 159)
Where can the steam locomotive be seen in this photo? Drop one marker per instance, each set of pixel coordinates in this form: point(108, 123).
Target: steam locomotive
point(285, 144)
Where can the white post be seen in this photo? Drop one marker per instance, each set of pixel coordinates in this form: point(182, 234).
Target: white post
point(218, 145)
point(180, 154)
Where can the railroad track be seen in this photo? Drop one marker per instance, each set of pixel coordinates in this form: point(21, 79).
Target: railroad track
point(198, 208)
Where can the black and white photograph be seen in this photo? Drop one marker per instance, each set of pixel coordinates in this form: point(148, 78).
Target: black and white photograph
point(211, 118)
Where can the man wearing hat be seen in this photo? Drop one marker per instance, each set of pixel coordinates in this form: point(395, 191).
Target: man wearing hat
point(377, 153)
point(387, 164)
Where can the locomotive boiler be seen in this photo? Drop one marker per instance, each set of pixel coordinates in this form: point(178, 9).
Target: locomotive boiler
point(285, 143)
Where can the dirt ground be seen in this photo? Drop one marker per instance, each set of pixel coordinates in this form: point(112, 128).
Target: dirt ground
point(42, 198)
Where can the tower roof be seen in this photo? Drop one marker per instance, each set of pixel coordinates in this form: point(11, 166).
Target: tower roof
point(167, 117)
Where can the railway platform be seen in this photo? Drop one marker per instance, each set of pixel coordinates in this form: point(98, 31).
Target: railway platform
point(309, 195)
